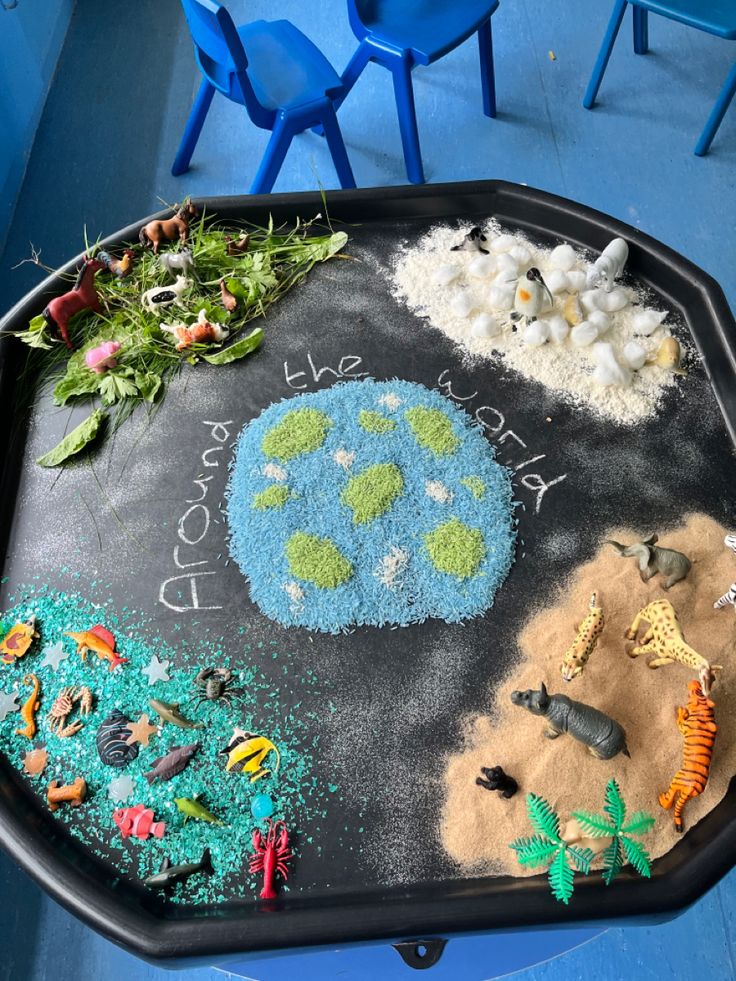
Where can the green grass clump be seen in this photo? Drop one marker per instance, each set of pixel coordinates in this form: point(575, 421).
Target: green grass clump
point(317, 560)
point(432, 430)
point(300, 431)
point(455, 548)
point(475, 485)
point(372, 492)
point(374, 422)
point(274, 496)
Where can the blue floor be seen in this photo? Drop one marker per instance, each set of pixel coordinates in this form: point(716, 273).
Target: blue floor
point(101, 159)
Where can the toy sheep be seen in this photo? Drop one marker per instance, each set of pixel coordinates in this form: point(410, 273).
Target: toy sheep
point(652, 559)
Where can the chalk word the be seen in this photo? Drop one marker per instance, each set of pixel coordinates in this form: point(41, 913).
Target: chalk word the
point(347, 368)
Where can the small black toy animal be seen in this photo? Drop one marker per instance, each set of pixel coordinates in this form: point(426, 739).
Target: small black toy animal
point(603, 736)
point(473, 242)
point(496, 779)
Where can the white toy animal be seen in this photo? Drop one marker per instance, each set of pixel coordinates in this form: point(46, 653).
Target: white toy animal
point(181, 261)
point(610, 264)
point(159, 297)
point(729, 597)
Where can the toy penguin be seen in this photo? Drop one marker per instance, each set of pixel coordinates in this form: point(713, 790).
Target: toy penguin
point(531, 294)
point(474, 241)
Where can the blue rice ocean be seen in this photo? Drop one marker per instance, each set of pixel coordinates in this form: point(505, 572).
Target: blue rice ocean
point(393, 579)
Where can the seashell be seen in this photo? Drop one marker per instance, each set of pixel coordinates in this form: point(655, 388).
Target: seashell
point(563, 257)
point(502, 243)
point(558, 328)
point(557, 282)
point(536, 333)
point(608, 371)
point(485, 325)
point(111, 739)
point(571, 311)
point(482, 266)
point(646, 321)
point(463, 304)
point(446, 275)
point(583, 334)
point(501, 297)
point(634, 355)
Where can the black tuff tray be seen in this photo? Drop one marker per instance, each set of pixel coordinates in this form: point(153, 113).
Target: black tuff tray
point(432, 901)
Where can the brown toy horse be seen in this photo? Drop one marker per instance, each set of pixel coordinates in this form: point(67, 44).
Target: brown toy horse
point(159, 230)
point(82, 296)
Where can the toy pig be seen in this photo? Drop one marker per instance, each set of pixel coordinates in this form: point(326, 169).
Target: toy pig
point(100, 358)
point(603, 736)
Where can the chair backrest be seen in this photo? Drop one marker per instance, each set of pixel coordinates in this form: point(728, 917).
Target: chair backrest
point(220, 52)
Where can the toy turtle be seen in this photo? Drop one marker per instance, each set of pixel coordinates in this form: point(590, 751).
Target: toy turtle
point(18, 641)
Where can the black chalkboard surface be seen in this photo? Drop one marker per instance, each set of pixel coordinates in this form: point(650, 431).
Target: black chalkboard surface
point(381, 871)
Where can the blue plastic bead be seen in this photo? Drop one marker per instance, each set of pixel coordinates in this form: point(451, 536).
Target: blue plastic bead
point(262, 807)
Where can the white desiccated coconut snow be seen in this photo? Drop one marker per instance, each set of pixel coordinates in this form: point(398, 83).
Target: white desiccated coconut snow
point(274, 471)
point(391, 401)
point(438, 491)
point(392, 566)
point(344, 458)
point(561, 365)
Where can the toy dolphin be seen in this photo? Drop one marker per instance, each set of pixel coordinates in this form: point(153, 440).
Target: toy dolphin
point(169, 875)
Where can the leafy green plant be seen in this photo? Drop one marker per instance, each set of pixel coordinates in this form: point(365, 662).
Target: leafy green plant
point(612, 825)
point(546, 848)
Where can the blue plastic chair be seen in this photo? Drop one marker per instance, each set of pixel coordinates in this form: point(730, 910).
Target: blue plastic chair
point(716, 17)
point(401, 34)
point(284, 82)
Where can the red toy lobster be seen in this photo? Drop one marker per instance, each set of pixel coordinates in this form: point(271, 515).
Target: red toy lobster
point(82, 296)
point(271, 857)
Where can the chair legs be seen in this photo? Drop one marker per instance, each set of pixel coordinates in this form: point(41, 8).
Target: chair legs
point(193, 128)
point(404, 93)
point(604, 54)
point(337, 148)
point(641, 30)
point(487, 73)
point(279, 143)
point(716, 117)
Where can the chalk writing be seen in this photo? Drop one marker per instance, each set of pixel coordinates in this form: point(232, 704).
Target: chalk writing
point(493, 422)
point(181, 592)
point(347, 368)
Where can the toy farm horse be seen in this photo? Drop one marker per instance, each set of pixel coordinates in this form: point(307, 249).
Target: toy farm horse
point(82, 296)
point(159, 230)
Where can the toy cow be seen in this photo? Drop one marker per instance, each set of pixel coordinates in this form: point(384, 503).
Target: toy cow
point(603, 736)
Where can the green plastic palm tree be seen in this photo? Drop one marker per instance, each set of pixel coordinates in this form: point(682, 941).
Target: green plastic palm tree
point(611, 825)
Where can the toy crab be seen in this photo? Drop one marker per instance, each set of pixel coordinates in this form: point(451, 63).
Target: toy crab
point(217, 685)
point(18, 640)
point(64, 706)
point(271, 856)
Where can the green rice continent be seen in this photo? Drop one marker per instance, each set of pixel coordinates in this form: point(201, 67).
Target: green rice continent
point(432, 429)
point(317, 560)
point(475, 485)
point(374, 422)
point(300, 431)
point(372, 492)
point(455, 548)
point(274, 496)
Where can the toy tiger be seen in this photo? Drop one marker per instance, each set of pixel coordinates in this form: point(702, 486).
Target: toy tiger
point(696, 722)
point(576, 656)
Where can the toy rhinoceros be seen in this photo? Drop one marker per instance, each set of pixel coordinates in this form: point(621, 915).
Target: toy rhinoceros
point(603, 736)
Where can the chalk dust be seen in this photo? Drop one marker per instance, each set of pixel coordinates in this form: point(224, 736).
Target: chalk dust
point(476, 826)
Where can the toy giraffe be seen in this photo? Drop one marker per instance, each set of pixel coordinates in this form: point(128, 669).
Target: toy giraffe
point(576, 656)
point(664, 639)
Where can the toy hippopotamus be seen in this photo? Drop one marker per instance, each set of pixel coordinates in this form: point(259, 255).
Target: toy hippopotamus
point(603, 736)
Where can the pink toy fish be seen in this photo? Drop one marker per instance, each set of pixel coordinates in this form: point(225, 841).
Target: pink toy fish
point(138, 821)
point(100, 358)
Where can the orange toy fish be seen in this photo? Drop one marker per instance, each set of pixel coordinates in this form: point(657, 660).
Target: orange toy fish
point(99, 640)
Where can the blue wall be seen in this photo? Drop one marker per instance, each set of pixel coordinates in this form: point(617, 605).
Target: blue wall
point(31, 38)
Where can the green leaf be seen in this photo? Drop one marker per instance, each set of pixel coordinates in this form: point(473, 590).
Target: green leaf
point(581, 857)
point(326, 247)
point(613, 861)
point(75, 441)
point(593, 825)
point(35, 336)
point(638, 856)
point(115, 387)
point(38, 324)
point(561, 878)
point(76, 383)
point(614, 806)
point(237, 350)
point(148, 384)
point(543, 818)
point(639, 823)
point(534, 851)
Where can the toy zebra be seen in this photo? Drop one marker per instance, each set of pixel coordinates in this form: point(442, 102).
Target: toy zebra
point(729, 597)
point(696, 722)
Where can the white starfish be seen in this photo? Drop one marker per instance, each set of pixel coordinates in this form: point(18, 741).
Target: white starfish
point(157, 670)
point(120, 788)
point(54, 656)
point(8, 703)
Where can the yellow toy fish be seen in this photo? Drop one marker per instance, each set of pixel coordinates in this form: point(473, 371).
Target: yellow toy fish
point(246, 752)
point(99, 640)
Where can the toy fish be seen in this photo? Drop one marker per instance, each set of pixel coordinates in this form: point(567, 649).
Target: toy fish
point(18, 640)
point(112, 740)
point(166, 767)
point(191, 808)
point(169, 875)
point(246, 752)
point(169, 712)
point(99, 640)
point(138, 821)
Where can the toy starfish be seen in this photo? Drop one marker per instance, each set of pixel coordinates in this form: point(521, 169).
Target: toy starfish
point(8, 703)
point(54, 656)
point(157, 670)
point(141, 731)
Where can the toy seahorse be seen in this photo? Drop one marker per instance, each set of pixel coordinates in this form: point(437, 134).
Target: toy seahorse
point(30, 707)
point(696, 722)
point(576, 656)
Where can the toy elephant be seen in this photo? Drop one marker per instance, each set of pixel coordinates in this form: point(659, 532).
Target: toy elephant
point(603, 736)
point(653, 559)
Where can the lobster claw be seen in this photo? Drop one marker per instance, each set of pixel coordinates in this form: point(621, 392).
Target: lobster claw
point(257, 840)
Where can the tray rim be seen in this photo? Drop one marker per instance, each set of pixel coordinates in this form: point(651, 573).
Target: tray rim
point(679, 878)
